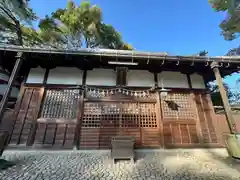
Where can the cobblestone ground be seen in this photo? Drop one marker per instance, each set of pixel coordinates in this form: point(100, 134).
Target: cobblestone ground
point(75, 165)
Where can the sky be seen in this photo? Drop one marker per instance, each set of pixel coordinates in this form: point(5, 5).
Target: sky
point(174, 26)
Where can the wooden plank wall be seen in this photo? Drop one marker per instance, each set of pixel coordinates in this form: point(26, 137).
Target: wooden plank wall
point(222, 127)
point(197, 132)
point(180, 134)
point(27, 130)
point(206, 117)
point(55, 134)
point(25, 116)
point(180, 131)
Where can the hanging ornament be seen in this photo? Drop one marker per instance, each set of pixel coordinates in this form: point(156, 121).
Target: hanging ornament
point(103, 93)
point(119, 90)
point(111, 92)
point(107, 92)
point(135, 94)
point(127, 93)
point(132, 93)
point(97, 92)
point(147, 93)
point(89, 90)
point(144, 94)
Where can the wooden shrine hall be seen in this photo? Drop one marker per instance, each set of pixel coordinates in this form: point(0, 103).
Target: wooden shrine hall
point(82, 98)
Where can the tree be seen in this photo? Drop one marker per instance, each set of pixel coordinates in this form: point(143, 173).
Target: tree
point(14, 15)
point(230, 25)
point(79, 26)
point(215, 94)
point(203, 53)
point(233, 95)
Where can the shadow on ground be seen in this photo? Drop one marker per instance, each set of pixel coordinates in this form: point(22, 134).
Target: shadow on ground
point(225, 159)
point(4, 164)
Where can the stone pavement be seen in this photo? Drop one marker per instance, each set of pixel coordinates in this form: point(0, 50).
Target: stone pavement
point(162, 164)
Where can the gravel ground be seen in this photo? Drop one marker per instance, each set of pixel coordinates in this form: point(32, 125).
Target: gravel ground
point(162, 164)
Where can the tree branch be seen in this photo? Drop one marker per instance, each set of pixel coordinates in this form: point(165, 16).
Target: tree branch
point(9, 14)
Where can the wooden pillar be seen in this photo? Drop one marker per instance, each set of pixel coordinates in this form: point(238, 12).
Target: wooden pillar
point(10, 83)
point(77, 136)
point(223, 93)
point(121, 76)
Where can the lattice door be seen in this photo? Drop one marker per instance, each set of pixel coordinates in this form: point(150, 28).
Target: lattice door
point(178, 106)
point(58, 104)
point(179, 120)
point(61, 104)
point(100, 122)
point(140, 120)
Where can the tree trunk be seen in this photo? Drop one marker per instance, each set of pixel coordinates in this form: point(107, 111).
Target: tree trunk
point(19, 34)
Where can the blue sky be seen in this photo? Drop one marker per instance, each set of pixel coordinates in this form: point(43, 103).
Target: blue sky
point(174, 26)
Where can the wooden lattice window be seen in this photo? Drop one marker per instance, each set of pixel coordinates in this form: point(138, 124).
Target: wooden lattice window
point(178, 106)
point(124, 115)
point(138, 115)
point(96, 114)
point(61, 104)
point(148, 117)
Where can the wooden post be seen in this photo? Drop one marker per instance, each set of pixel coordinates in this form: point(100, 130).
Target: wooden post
point(11, 81)
point(223, 93)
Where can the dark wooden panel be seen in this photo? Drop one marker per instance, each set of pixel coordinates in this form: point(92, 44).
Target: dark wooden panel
point(176, 133)
point(55, 134)
point(202, 119)
point(185, 134)
point(150, 138)
point(89, 138)
point(206, 118)
point(26, 115)
point(167, 134)
point(209, 114)
point(20, 120)
point(192, 129)
point(40, 134)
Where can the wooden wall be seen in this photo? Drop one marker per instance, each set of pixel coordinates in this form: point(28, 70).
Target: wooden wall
point(222, 126)
point(55, 134)
point(108, 77)
point(38, 114)
point(25, 115)
point(195, 125)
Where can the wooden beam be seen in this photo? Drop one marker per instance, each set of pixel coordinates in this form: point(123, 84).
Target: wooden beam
point(10, 83)
point(223, 93)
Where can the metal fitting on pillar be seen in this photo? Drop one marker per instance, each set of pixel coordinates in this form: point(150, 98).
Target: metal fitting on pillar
point(214, 65)
point(19, 55)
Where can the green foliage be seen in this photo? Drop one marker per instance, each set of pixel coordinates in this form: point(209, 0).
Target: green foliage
point(215, 94)
point(79, 26)
point(203, 53)
point(230, 27)
point(233, 96)
point(220, 5)
point(71, 27)
point(13, 13)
